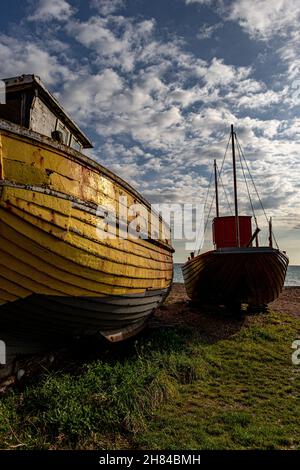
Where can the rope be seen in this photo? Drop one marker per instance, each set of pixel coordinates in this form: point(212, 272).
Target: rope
point(225, 155)
point(224, 189)
point(219, 179)
point(254, 185)
point(261, 204)
point(219, 173)
point(207, 219)
point(247, 186)
point(205, 202)
point(207, 193)
point(275, 240)
point(205, 223)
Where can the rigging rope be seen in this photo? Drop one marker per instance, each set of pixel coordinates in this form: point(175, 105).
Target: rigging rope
point(225, 154)
point(247, 186)
point(261, 204)
point(219, 179)
point(224, 189)
point(207, 219)
point(254, 185)
point(205, 202)
point(207, 193)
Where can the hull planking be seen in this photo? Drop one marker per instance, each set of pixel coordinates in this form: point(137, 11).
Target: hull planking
point(236, 275)
point(56, 274)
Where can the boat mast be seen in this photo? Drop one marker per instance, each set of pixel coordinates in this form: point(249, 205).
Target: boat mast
point(216, 188)
point(270, 233)
point(237, 225)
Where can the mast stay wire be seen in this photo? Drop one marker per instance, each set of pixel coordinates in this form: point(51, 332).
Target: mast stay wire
point(247, 186)
point(225, 192)
point(207, 220)
point(254, 185)
point(207, 194)
point(205, 202)
point(241, 158)
point(208, 189)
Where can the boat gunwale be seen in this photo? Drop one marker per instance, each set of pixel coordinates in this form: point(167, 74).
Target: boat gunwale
point(235, 251)
point(72, 154)
point(79, 204)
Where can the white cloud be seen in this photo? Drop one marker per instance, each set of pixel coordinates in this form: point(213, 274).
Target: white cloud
point(117, 40)
point(152, 107)
point(186, 97)
point(88, 95)
point(207, 31)
point(107, 7)
point(289, 54)
point(21, 57)
point(217, 73)
point(263, 19)
point(259, 100)
point(210, 121)
point(201, 2)
point(168, 118)
point(47, 10)
point(95, 33)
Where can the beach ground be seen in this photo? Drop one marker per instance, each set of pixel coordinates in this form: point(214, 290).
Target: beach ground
point(177, 310)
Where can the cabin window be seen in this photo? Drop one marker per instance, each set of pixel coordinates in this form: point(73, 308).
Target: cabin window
point(75, 144)
point(11, 110)
point(66, 134)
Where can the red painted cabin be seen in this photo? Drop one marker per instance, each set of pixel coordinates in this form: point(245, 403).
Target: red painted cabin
point(224, 231)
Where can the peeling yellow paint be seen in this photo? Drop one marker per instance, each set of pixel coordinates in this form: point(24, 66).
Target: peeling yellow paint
point(49, 247)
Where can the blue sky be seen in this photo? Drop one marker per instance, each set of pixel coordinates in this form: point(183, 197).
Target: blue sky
point(156, 85)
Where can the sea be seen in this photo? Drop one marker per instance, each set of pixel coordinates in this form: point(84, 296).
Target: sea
point(292, 278)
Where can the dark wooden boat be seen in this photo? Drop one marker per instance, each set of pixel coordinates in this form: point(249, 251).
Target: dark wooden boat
point(235, 272)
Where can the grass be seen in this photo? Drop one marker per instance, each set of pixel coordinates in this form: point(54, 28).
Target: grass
point(172, 389)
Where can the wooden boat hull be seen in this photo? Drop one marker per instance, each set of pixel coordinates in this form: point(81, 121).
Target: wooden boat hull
point(236, 275)
point(114, 317)
point(56, 274)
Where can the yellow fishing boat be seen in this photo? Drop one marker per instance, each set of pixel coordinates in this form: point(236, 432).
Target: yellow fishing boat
point(61, 269)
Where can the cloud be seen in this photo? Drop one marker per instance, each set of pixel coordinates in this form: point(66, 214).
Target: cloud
point(151, 104)
point(289, 55)
point(107, 7)
point(21, 57)
point(96, 34)
point(201, 2)
point(262, 19)
point(88, 95)
point(46, 10)
point(117, 40)
point(259, 100)
point(207, 31)
point(186, 97)
point(219, 73)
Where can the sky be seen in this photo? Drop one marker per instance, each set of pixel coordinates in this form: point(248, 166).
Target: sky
point(156, 84)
